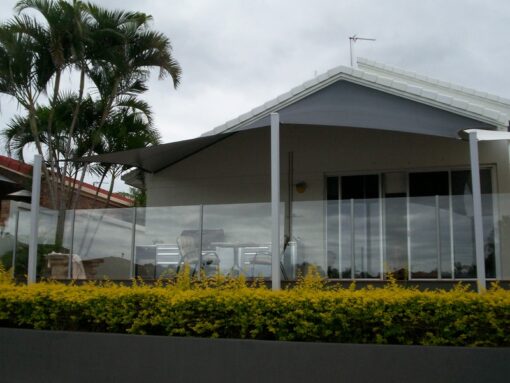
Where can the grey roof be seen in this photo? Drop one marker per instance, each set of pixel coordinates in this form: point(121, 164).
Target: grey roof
point(490, 109)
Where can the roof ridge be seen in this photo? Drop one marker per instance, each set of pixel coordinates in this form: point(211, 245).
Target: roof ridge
point(413, 76)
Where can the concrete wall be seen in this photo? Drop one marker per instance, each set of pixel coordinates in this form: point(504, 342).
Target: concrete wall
point(237, 170)
point(57, 356)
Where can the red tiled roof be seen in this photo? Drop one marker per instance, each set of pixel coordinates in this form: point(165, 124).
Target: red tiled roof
point(17, 166)
point(26, 169)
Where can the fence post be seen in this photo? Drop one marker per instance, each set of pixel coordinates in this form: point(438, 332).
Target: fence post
point(133, 243)
point(34, 219)
point(275, 201)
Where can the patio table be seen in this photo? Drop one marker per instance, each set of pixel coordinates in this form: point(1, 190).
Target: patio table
point(236, 247)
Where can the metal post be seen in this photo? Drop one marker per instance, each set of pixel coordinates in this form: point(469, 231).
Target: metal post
point(275, 201)
point(201, 240)
point(438, 238)
point(477, 211)
point(132, 269)
point(353, 244)
point(34, 219)
point(15, 245)
point(353, 59)
point(71, 247)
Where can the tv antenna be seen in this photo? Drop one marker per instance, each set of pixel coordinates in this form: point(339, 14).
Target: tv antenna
point(352, 41)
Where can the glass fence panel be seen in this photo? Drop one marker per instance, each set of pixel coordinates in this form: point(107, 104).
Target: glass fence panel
point(102, 243)
point(55, 244)
point(429, 237)
point(7, 240)
point(464, 237)
point(395, 237)
point(158, 233)
point(309, 237)
point(237, 239)
point(52, 261)
point(360, 238)
point(346, 235)
point(367, 238)
point(21, 249)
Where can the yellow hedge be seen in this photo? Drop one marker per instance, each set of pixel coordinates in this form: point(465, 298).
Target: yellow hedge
point(230, 309)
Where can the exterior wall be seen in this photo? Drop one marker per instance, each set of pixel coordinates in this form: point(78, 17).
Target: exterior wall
point(237, 170)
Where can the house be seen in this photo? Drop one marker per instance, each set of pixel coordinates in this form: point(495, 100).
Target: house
point(375, 178)
point(16, 182)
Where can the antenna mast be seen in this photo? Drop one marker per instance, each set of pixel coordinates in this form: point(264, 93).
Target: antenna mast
point(353, 40)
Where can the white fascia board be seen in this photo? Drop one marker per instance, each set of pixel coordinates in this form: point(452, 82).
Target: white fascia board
point(489, 135)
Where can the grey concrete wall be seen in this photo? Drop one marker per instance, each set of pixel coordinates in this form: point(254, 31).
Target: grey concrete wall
point(53, 357)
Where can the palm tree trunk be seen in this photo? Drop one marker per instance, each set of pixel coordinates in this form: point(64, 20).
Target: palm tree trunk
point(63, 177)
point(35, 133)
point(67, 151)
point(103, 176)
point(110, 191)
point(52, 153)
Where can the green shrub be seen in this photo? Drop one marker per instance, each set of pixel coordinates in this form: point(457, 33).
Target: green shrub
point(227, 308)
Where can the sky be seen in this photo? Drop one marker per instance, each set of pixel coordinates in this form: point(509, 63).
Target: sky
point(236, 55)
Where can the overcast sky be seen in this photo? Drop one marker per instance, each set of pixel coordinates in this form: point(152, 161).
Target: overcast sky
point(236, 55)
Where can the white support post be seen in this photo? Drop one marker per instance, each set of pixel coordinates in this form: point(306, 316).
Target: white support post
point(275, 201)
point(477, 211)
point(34, 219)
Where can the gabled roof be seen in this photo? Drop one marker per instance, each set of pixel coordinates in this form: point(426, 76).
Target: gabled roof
point(489, 109)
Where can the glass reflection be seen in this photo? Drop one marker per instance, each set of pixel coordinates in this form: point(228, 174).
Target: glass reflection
point(102, 242)
point(239, 237)
point(157, 231)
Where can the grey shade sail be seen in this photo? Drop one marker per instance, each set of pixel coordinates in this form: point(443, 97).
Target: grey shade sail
point(155, 158)
point(341, 104)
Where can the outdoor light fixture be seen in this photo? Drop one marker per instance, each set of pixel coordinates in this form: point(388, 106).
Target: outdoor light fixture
point(301, 187)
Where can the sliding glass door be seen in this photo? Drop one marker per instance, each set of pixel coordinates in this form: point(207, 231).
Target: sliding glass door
point(416, 225)
point(429, 222)
point(354, 240)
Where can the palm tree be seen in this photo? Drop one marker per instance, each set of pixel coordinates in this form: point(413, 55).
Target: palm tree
point(115, 50)
point(24, 71)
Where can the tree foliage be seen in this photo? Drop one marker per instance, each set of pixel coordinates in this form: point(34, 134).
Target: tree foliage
point(110, 53)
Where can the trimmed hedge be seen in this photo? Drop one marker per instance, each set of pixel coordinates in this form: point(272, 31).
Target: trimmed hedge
point(230, 309)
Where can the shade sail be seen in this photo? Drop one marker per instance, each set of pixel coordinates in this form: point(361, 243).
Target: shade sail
point(155, 158)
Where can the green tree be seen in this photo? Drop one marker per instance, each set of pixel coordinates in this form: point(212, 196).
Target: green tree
point(112, 50)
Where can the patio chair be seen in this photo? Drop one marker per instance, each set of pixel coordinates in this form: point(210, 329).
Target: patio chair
point(261, 256)
point(190, 254)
